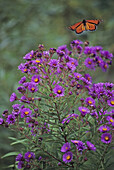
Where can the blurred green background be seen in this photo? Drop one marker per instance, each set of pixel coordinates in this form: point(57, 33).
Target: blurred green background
point(26, 23)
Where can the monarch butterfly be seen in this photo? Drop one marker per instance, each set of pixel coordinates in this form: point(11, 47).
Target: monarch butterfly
point(85, 25)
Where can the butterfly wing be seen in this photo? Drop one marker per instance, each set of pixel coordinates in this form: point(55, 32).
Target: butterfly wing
point(90, 27)
point(96, 21)
point(78, 27)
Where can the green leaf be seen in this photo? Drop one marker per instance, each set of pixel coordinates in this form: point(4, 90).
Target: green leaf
point(10, 154)
point(19, 141)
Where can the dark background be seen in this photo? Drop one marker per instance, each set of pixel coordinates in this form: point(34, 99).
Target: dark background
point(26, 23)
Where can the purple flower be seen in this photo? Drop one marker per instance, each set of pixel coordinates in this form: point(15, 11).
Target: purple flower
point(111, 102)
point(25, 112)
point(33, 70)
point(72, 64)
point(13, 97)
point(35, 79)
point(59, 91)
point(89, 63)
point(67, 157)
point(83, 110)
point(104, 128)
point(90, 101)
point(23, 80)
point(53, 63)
point(110, 120)
point(1, 121)
point(32, 87)
point(77, 76)
point(20, 165)
point(79, 144)
point(29, 155)
point(21, 89)
point(106, 138)
point(10, 119)
point(19, 157)
point(88, 50)
point(16, 109)
point(90, 146)
point(88, 77)
point(65, 147)
point(75, 43)
point(29, 55)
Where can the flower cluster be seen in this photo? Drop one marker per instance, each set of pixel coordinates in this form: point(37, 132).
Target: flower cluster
point(59, 106)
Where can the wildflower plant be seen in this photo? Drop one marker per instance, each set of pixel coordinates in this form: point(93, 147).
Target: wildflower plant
point(62, 118)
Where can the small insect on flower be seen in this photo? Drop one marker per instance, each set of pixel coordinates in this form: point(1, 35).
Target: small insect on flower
point(85, 25)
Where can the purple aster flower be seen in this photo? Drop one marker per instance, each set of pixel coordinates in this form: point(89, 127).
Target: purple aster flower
point(109, 86)
point(23, 80)
point(90, 101)
point(65, 147)
point(32, 87)
point(104, 66)
point(104, 128)
point(53, 63)
point(29, 155)
point(13, 97)
point(88, 77)
point(77, 76)
point(111, 102)
point(90, 146)
point(79, 49)
point(110, 120)
point(88, 50)
point(19, 157)
point(59, 91)
point(89, 63)
point(23, 67)
point(20, 165)
point(67, 157)
point(83, 110)
point(25, 112)
point(46, 54)
point(35, 78)
point(98, 48)
point(1, 121)
point(106, 137)
point(10, 119)
point(79, 144)
point(21, 89)
point(29, 55)
point(106, 54)
point(16, 109)
point(38, 61)
point(75, 43)
point(33, 70)
point(72, 64)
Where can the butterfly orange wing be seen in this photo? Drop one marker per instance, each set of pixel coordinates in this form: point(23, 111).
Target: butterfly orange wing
point(90, 27)
point(78, 27)
point(96, 21)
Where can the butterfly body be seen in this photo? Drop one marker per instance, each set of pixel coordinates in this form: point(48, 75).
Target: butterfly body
point(85, 25)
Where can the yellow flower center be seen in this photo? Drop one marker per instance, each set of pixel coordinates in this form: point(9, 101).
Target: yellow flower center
point(111, 120)
point(66, 148)
point(78, 76)
point(89, 62)
point(83, 110)
point(112, 102)
point(36, 80)
point(68, 157)
point(104, 129)
point(32, 88)
point(59, 91)
point(37, 61)
point(25, 69)
point(72, 63)
point(90, 102)
point(105, 66)
point(26, 113)
point(106, 138)
point(29, 155)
